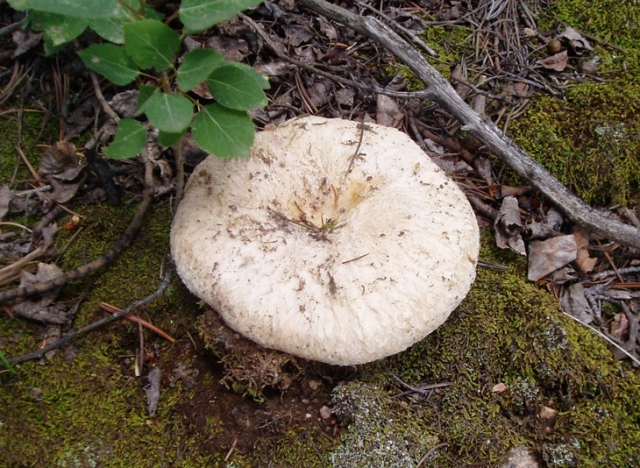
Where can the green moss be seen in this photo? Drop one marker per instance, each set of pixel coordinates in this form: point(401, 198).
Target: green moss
point(590, 141)
point(299, 446)
point(449, 42)
point(612, 22)
point(35, 130)
point(92, 410)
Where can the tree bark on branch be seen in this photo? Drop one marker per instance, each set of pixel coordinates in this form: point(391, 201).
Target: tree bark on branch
point(440, 91)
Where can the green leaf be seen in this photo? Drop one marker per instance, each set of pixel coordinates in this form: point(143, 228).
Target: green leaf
point(151, 43)
point(57, 29)
point(50, 49)
point(130, 139)
point(144, 93)
point(235, 87)
point(198, 15)
point(261, 80)
point(224, 132)
point(196, 67)
point(111, 28)
point(76, 8)
point(171, 113)
point(169, 139)
point(111, 61)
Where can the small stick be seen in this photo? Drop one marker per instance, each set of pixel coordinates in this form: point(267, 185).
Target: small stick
point(355, 154)
point(401, 28)
point(34, 173)
point(116, 249)
point(135, 319)
point(103, 102)
point(354, 259)
point(233, 446)
point(433, 449)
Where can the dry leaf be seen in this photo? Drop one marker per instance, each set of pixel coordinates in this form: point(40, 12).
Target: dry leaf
point(557, 62)
point(25, 40)
point(457, 80)
point(297, 34)
point(549, 227)
point(345, 97)
point(508, 227)
point(576, 40)
point(153, 390)
point(202, 91)
point(6, 194)
point(327, 29)
point(547, 256)
point(574, 302)
point(58, 158)
point(388, 112)
point(234, 50)
point(125, 104)
point(43, 309)
point(620, 327)
point(583, 261)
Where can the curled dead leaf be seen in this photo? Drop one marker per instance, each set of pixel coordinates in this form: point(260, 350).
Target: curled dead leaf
point(508, 226)
point(557, 62)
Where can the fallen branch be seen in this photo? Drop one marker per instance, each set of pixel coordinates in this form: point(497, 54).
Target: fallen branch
point(439, 90)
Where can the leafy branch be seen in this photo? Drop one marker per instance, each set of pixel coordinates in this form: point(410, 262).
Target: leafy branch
point(140, 46)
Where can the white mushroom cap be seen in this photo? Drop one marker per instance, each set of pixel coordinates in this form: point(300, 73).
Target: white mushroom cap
point(299, 256)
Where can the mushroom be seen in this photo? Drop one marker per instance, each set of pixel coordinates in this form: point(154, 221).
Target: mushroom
point(336, 241)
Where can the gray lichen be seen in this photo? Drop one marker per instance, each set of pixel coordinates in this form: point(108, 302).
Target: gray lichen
point(379, 432)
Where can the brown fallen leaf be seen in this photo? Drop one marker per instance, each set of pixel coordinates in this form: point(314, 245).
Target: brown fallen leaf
point(58, 158)
point(574, 302)
point(547, 256)
point(583, 261)
point(509, 228)
point(557, 62)
point(576, 40)
point(620, 327)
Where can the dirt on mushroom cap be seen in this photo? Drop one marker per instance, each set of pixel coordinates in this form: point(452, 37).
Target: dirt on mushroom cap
point(335, 242)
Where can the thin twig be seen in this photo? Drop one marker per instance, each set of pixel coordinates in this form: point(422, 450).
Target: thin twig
point(103, 102)
point(38, 354)
point(429, 453)
point(363, 126)
point(12, 27)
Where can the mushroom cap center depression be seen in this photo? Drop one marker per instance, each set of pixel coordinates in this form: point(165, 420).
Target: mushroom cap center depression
point(300, 254)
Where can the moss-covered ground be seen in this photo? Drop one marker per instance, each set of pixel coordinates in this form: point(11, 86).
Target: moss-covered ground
point(590, 139)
